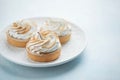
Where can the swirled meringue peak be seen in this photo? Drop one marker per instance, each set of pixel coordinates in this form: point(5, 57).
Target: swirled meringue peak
point(22, 29)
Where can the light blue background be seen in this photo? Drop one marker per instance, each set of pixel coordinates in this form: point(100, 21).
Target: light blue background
point(99, 18)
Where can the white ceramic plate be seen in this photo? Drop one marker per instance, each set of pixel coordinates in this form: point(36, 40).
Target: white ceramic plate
point(70, 50)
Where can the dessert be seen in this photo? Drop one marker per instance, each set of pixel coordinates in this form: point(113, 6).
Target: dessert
point(44, 46)
point(19, 33)
point(60, 27)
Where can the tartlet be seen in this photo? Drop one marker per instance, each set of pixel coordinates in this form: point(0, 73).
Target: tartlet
point(19, 32)
point(44, 46)
point(60, 27)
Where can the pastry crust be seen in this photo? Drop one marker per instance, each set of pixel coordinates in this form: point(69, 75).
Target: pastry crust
point(16, 42)
point(64, 39)
point(44, 57)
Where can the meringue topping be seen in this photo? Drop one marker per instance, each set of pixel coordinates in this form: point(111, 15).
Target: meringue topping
point(60, 26)
point(21, 30)
point(48, 43)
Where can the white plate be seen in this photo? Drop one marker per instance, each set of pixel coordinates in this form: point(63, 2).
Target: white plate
point(70, 50)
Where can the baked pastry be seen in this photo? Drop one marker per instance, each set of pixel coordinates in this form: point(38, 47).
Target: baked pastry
point(20, 32)
point(59, 26)
point(43, 46)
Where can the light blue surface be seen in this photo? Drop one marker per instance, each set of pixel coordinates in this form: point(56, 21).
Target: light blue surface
point(99, 18)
